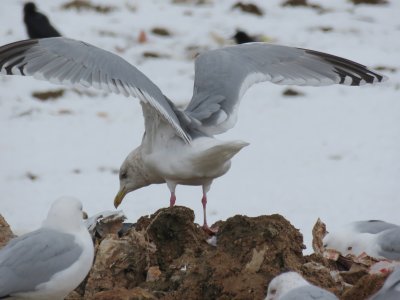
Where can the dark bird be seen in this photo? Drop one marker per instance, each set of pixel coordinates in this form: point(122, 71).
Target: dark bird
point(37, 24)
point(242, 37)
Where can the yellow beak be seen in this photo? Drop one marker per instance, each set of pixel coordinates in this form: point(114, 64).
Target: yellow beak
point(120, 196)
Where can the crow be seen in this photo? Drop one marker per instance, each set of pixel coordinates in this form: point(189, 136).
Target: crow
point(37, 24)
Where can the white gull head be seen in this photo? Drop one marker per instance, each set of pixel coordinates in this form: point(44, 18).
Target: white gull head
point(283, 284)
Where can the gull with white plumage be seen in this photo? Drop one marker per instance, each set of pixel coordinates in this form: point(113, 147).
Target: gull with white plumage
point(292, 286)
point(178, 146)
point(50, 262)
point(375, 238)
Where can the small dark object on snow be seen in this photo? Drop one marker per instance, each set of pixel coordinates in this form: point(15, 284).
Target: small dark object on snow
point(161, 31)
point(48, 95)
point(386, 69)
point(249, 8)
point(37, 24)
point(371, 2)
point(291, 92)
point(295, 3)
point(151, 54)
point(302, 3)
point(87, 5)
point(326, 28)
point(241, 37)
point(32, 176)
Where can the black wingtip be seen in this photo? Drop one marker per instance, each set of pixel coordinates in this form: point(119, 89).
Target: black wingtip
point(14, 53)
point(350, 72)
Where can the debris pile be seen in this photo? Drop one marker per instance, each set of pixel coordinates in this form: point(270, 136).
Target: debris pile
point(168, 256)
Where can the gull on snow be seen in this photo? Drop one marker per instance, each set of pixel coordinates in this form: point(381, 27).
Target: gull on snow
point(178, 146)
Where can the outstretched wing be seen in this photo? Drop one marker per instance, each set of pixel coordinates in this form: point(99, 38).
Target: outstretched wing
point(222, 77)
point(66, 61)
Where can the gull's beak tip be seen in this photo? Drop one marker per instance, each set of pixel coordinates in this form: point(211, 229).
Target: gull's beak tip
point(119, 197)
point(116, 204)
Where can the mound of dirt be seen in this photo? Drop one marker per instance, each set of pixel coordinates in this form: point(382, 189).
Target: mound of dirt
point(5, 232)
point(168, 256)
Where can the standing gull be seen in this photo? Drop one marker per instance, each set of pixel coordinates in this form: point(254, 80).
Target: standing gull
point(376, 238)
point(178, 146)
point(292, 286)
point(50, 262)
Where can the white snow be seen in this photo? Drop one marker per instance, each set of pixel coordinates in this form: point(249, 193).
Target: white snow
point(333, 153)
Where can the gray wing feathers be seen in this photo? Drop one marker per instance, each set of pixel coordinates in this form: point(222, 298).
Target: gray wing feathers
point(222, 76)
point(66, 61)
point(309, 292)
point(205, 106)
point(389, 242)
point(34, 258)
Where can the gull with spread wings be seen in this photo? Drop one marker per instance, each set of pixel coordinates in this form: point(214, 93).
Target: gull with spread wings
point(178, 146)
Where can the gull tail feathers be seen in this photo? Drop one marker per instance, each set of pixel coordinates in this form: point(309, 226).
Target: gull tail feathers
point(221, 152)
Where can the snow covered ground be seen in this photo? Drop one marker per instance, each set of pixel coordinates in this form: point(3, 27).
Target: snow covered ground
point(333, 153)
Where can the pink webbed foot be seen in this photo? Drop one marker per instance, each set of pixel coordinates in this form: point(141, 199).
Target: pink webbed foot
point(210, 230)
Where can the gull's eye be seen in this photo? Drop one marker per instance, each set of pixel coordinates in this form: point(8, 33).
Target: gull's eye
point(273, 291)
point(349, 248)
point(123, 175)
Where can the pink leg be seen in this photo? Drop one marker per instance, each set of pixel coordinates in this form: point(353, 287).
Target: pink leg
point(172, 199)
point(172, 185)
point(209, 230)
point(204, 202)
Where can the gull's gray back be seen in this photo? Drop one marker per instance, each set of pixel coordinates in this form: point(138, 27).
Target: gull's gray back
point(309, 292)
point(373, 226)
point(389, 242)
point(34, 258)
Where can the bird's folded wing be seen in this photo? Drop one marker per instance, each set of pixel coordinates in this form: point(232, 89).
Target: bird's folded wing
point(309, 292)
point(372, 226)
point(34, 258)
point(389, 243)
point(222, 77)
point(66, 61)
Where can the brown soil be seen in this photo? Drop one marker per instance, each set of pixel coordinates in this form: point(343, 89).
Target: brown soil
point(5, 232)
point(167, 256)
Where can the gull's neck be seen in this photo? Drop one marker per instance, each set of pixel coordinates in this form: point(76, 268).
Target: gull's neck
point(147, 177)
